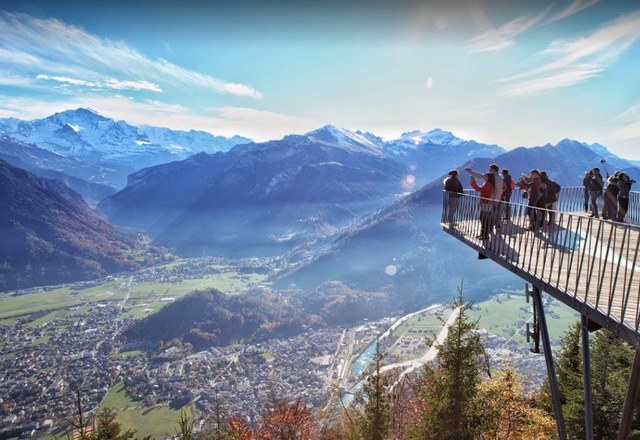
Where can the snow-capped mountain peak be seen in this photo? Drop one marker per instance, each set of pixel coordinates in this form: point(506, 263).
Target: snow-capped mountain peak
point(435, 136)
point(344, 138)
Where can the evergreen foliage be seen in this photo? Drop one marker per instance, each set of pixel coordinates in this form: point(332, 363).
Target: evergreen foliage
point(611, 361)
point(452, 385)
point(375, 420)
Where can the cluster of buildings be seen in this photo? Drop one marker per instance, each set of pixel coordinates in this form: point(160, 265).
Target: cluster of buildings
point(43, 366)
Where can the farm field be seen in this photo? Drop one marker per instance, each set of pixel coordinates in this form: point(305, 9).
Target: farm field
point(147, 291)
point(154, 422)
point(506, 315)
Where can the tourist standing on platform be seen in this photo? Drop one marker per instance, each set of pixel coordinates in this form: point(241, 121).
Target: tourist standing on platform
point(508, 185)
point(486, 203)
point(532, 185)
point(497, 191)
point(453, 187)
point(624, 186)
point(595, 186)
point(585, 184)
point(550, 196)
point(610, 209)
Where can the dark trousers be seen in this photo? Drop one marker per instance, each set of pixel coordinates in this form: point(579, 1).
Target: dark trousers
point(486, 221)
point(623, 207)
point(452, 207)
point(586, 199)
point(535, 215)
point(610, 209)
point(507, 207)
point(593, 195)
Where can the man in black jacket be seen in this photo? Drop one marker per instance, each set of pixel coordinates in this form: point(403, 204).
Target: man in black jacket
point(454, 191)
point(595, 185)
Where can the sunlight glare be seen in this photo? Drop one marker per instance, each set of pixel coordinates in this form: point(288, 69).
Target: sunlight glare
point(409, 182)
point(391, 270)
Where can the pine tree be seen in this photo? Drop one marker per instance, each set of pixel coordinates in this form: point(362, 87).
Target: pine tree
point(570, 383)
point(452, 385)
point(612, 359)
point(375, 421)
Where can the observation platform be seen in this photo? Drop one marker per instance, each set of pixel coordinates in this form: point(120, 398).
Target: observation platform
point(587, 263)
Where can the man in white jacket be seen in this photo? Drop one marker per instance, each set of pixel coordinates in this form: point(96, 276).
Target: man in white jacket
point(497, 191)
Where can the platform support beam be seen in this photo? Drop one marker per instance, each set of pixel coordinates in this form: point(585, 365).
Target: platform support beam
point(548, 357)
point(630, 399)
point(588, 394)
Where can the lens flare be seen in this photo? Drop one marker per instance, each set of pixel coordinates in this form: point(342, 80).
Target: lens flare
point(429, 83)
point(408, 182)
point(391, 270)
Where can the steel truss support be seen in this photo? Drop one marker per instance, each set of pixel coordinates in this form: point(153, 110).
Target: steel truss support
point(533, 333)
point(630, 399)
point(586, 362)
point(548, 357)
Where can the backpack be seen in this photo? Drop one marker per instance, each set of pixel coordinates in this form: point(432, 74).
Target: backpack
point(552, 191)
point(509, 185)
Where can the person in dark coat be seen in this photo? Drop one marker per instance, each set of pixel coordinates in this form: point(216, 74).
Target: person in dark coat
point(610, 209)
point(595, 185)
point(453, 187)
point(624, 187)
point(585, 185)
point(532, 185)
point(508, 185)
point(551, 192)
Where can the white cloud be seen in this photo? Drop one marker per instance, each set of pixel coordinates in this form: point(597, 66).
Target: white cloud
point(503, 36)
point(110, 83)
point(58, 49)
point(577, 60)
point(626, 126)
point(575, 7)
point(554, 81)
point(132, 85)
point(258, 125)
point(12, 80)
point(64, 79)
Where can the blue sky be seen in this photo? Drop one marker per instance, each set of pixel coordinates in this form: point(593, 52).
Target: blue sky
point(507, 72)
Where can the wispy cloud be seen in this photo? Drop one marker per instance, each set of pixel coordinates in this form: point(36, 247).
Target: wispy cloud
point(576, 61)
point(575, 7)
point(54, 49)
point(626, 127)
point(66, 80)
point(110, 83)
point(504, 35)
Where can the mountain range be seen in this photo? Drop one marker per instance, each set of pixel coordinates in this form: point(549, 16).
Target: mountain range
point(49, 235)
point(335, 204)
point(259, 198)
point(105, 151)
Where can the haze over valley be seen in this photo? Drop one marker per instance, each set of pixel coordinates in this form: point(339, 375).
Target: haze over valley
point(208, 207)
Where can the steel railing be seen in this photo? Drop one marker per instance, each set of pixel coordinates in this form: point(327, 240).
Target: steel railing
point(589, 262)
point(572, 199)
